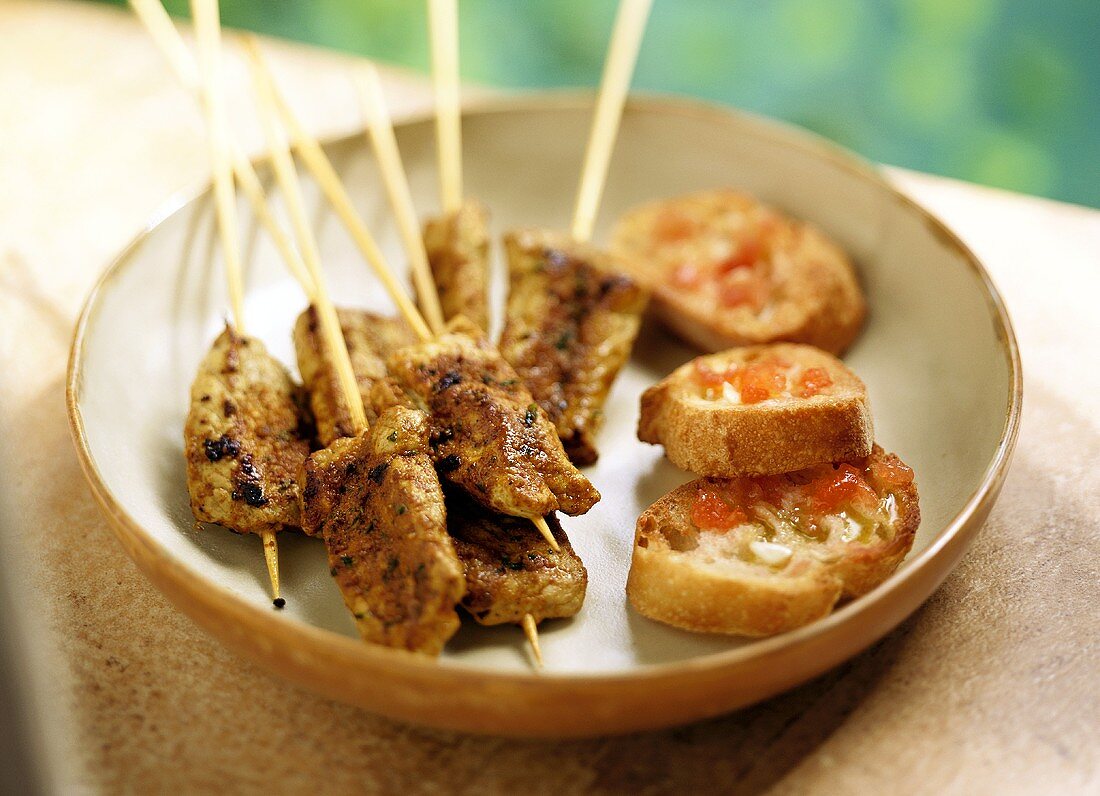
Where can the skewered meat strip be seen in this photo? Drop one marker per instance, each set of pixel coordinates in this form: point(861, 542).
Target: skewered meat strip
point(369, 339)
point(376, 501)
point(245, 439)
point(458, 252)
point(572, 317)
point(490, 437)
point(510, 569)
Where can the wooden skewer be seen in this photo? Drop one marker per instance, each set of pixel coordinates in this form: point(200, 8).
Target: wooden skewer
point(315, 159)
point(531, 630)
point(443, 23)
point(164, 34)
point(205, 13)
point(626, 39)
point(322, 171)
point(393, 174)
point(544, 529)
point(208, 27)
point(168, 40)
point(380, 126)
point(287, 177)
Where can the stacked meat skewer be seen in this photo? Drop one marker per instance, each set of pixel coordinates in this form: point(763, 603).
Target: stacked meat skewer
point(401, 404)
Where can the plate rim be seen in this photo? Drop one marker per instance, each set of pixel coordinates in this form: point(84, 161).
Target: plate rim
point(260, 634)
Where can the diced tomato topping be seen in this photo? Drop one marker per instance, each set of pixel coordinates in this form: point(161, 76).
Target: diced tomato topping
point(746, 256)
point(711, 511)
point(812, 381)
point(891, 473)
point(672, 226)
point(762, 380)
point(845, 487)
point(740, 291)
point(708, 376)
point(686, 276)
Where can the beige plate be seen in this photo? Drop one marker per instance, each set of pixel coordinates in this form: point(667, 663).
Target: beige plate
point(938, 357)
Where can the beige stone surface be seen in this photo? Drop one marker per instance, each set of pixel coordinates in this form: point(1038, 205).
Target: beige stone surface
point(994, 686)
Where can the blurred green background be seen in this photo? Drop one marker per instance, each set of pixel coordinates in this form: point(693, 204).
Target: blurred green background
point(1001, 92)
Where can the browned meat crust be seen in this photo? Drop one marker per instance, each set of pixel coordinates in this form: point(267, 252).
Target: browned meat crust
point(245, 439)
point(572, 318)
point(510, 569)
point(458, 252)
point(377, 502)
point(490, 436)
point(370, 338)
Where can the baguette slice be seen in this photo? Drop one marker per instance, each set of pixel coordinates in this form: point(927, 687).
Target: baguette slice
point(760, 410)
point(726, 270)
point(760, 556)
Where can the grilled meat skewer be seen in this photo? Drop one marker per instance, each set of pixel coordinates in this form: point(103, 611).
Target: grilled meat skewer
point(490, 437)
point(571, 320)
point(457, 245)
point(510, 569)
point(246, 438)
point(369, 337)
point(376, 501)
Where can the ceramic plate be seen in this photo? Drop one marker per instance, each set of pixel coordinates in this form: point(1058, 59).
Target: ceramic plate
point(938, 357)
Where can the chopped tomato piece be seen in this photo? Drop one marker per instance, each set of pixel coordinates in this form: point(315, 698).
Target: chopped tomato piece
point(812, 381)
point(891, 473)
point(746, 256)
point(845, 487)
point(761, 381)
point(708, 376)
point(686, 276)
point(672, 226)
point(711, 511)
point(741, 290)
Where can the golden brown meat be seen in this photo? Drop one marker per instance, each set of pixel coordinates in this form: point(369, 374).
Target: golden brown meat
point(376, 501)
point(571, 321)
point(370, 338)
point(510, 569)
point(490, 437)
point(245, 439)
point(458, 252)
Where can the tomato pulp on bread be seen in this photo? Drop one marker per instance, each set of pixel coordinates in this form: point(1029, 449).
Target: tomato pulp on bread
point(760, 379)
point(765, 518)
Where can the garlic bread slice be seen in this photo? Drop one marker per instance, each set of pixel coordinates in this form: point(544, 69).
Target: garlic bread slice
point(758, 410)
point(760, 556)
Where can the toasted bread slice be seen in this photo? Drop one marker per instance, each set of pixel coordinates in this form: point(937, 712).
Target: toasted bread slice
point(759, 556)
point(759, 410)
point(726, 270)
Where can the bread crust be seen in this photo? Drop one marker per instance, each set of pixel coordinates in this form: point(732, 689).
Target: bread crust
point(677, 578)
point(779, 435)
point(814, 297)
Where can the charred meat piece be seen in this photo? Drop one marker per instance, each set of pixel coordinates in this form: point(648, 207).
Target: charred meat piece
point(489, 435)
point(458, 252)
point(510, 569)
point(571, 321)
point(370, 339)
point(376, 501)
point(245, 439)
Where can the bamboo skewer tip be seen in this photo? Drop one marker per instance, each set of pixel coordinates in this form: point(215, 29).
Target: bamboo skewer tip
point(547, 534)
point(271, 558)
point(531, 630)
